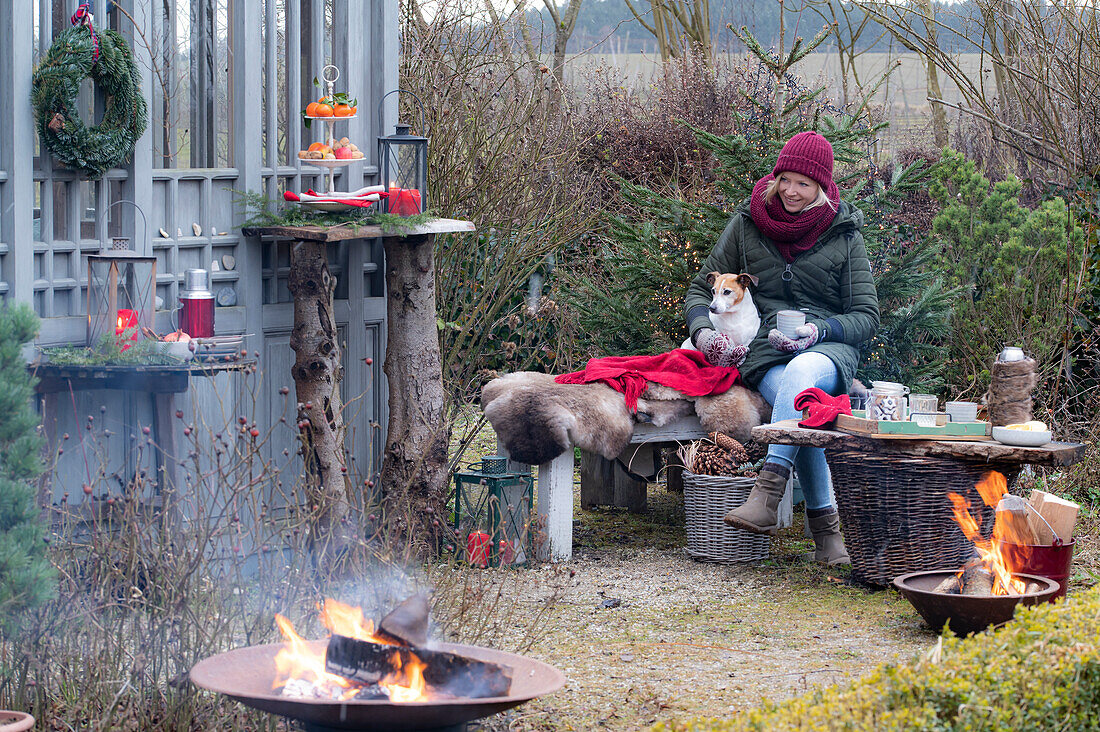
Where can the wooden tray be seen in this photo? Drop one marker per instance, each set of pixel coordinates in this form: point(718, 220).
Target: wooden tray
point(892, 430)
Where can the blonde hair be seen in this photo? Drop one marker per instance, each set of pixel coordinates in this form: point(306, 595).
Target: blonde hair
point(821, 200)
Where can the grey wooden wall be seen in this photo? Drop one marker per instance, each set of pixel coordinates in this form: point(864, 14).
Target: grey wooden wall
point(225, 80)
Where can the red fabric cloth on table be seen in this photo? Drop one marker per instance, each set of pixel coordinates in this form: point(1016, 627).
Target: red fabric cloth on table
point(822, 408)
point(683, 370)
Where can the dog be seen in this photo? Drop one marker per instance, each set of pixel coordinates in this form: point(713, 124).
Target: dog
point(732, 310)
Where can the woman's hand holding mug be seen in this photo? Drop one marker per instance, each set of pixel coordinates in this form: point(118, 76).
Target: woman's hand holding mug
point(807, 335)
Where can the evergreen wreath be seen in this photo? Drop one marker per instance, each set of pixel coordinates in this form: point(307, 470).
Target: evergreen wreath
point(76, 54)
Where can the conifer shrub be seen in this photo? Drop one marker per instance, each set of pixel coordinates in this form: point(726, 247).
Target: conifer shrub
point(1015, 269)
point(1039, 672)
point(26, 577)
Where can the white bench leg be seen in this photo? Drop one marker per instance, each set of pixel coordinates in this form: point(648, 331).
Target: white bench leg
point(555, 505)
point(555, 508)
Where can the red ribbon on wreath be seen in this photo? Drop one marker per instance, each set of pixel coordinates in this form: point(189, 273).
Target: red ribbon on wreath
point(83, 15)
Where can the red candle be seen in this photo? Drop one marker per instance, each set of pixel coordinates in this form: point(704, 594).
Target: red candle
point(477, 548)
point(404, 201)
point(126, 320)
point(507, 552)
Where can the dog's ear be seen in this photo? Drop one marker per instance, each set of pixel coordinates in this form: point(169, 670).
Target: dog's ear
point(711, 277)
point(744, 279)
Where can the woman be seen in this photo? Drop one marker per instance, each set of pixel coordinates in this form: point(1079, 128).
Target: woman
point(804, 245)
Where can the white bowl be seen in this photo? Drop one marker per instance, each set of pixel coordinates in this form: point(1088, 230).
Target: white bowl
point(180, 350)
point(1021, 438)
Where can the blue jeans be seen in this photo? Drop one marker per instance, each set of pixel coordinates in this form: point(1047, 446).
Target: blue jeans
point(779, 387)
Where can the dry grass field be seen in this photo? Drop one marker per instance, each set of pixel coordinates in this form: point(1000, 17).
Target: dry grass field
point(904, 95)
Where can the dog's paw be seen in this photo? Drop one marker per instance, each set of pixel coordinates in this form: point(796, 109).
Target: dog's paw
point(643, 418)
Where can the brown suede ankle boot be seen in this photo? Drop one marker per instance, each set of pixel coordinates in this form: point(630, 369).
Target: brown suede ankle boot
point(827, 539)
point(760, 512)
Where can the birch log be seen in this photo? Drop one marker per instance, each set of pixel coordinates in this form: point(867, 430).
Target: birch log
point(414, 470)
point(317, 375)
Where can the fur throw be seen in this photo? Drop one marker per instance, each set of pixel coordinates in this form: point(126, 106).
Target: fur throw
point(537, 419)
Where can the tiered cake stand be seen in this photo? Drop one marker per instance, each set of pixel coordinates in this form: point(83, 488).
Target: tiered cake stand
point(330, 138)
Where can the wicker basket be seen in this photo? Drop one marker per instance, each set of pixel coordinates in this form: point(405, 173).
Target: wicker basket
point(707, 499)
point(895, 513)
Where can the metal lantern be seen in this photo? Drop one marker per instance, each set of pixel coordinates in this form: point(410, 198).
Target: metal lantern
point(403, 162)
point(121, 289)
point(492, 516)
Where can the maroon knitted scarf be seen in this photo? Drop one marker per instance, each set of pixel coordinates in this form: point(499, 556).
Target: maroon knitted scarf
point(792, 234)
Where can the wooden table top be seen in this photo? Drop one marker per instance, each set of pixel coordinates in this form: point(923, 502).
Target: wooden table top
point(787, 432)
point(344, 233)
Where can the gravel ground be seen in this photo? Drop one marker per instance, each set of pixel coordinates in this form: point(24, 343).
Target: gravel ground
point(684, 638)
point(688, 639)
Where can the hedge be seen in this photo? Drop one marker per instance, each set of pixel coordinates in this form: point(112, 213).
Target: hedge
point(1039, 672)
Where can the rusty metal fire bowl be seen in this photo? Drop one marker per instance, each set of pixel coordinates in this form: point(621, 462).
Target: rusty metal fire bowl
point(966, 614)
point(248, 675)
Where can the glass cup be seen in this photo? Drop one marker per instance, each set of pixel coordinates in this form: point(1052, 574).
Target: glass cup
point(923, 404)
point(962, 411)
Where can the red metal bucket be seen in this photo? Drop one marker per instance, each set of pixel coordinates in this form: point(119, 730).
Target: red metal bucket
point(1052, 562)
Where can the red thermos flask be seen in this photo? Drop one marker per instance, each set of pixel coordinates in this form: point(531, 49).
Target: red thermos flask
point(197, 305)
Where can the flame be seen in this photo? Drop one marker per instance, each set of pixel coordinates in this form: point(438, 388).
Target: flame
point(990, 551)
point(297, 660)
point(406, 683)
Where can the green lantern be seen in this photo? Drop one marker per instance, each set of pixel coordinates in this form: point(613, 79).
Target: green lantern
point(492, 517)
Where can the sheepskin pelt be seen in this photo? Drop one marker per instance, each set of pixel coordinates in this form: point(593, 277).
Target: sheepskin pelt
point(661, 405)
point(735, 412)
point(537, 419)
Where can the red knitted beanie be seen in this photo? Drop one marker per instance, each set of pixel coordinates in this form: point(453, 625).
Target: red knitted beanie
point(810, 154)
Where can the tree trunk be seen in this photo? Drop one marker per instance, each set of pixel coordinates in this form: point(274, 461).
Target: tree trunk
point(317, 374)
point(414, 471)
point(939, 115)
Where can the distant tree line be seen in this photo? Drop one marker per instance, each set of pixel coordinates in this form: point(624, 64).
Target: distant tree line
point(605, 26)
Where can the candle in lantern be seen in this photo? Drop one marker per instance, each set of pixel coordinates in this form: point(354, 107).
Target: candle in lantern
point(404, 201)
point(126, 321)
point(477, 548)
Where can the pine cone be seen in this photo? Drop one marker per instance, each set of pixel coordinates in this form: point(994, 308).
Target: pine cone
point(711, 460)
point(755, 450)
point(735, 449)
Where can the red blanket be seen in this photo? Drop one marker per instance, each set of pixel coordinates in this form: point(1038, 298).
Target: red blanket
point(683, 370)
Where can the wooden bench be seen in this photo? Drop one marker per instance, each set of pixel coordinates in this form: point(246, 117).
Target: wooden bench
point(603, 482)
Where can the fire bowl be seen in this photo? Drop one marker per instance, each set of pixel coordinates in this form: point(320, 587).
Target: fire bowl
point(967, 613)
point(247, 675)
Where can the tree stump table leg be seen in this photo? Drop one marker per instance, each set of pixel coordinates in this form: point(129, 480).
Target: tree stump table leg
point(597, 481)
point(414, 470)
point(317, 374)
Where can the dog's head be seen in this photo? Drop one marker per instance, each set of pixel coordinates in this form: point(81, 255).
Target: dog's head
point(728, 290)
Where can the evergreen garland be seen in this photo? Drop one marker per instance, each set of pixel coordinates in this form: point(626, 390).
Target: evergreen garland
point(56, 85)
point(26, 577)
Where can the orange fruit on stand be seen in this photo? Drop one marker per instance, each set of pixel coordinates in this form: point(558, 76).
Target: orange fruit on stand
point(343, 110)
point(323, 110)
point(311, 109)
point(317, 146)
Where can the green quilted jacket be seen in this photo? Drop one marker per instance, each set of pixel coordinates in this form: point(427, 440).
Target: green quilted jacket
point(831, 282)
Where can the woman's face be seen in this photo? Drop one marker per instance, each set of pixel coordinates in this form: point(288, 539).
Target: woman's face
point(796, 191)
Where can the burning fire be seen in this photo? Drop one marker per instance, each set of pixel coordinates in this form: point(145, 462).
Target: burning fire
point(990, 551)
point(297, 661)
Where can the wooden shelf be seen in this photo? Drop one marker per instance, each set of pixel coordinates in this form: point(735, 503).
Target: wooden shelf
point(344, 233)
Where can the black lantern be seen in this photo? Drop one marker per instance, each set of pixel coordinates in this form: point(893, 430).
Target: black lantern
point(403, 163)
point(492, 517)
